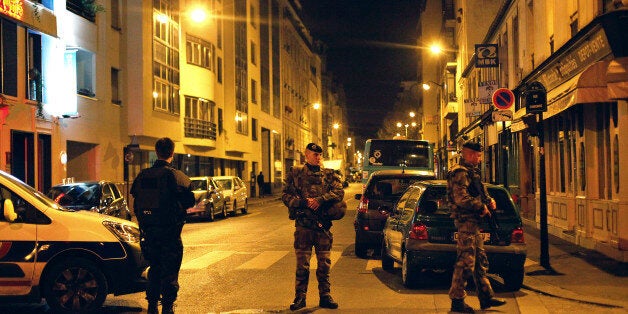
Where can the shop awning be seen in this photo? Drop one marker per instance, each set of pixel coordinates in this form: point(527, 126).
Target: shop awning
point(589, 86)
point(617, 78)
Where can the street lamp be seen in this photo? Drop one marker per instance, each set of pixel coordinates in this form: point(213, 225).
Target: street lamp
point(406, 125)
point(426, 86)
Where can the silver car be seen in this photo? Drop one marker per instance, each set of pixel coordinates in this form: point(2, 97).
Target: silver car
point(236, 193)
point(210, 198)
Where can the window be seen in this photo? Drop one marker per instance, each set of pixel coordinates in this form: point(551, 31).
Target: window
point(254, 129)
point(115, 87)
point(220, 124)
point(115, 14)
point(166, 57)
point(84, 8)
point(199, 118)
point(8, 54)
point(253, 91)
point(218, 19)
point(253, 58)
point(219, 70)
point(33, 64)
point(198, 52)
point(85, 71)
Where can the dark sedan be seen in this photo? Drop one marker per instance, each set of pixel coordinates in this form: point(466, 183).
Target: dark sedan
point(99, 196)
point(420, 235)
point(381, 192)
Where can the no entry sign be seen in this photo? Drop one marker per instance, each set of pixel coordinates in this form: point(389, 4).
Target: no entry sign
point(503, 98)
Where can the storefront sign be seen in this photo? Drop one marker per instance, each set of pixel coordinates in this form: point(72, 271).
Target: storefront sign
point(12, 8)
point(486, 56)
point(485, 90)
point(592, 48)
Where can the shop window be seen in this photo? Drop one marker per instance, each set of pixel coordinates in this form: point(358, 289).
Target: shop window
point(85, 71)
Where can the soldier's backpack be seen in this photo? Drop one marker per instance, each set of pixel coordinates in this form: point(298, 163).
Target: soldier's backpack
point(154, 201)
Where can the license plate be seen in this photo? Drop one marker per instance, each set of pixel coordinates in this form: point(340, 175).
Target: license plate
point(485, 235)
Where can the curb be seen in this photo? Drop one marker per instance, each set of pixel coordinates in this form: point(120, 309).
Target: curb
point(542, 287)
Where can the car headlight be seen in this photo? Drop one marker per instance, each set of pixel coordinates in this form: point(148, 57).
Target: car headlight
point(124, 232)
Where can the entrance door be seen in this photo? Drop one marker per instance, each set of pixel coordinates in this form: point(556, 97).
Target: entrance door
point(23, 156)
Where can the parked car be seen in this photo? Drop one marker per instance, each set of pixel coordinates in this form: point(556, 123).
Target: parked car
point(99, 196)
point(380, 193)
point(72, 258)
point(420, 234)
point(236, 193)
point(210, 198)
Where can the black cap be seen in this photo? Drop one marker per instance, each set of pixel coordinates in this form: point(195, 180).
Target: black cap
point(473, 146)
point(314, 147)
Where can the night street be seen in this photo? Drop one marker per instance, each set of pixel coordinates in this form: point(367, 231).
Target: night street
point(245, 264)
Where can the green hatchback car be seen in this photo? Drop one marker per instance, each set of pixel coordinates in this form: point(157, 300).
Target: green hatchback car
point(420, 235)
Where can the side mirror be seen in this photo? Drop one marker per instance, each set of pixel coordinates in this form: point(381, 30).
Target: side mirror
point(358, 197)
point(9, 212)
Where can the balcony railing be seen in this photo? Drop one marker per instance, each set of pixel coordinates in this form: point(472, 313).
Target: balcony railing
point(196, 128)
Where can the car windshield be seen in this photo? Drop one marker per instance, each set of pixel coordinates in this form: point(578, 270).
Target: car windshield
point(434, 202)
point(198, 185)
point(27, 189)
point(225, 183)
point(387, 187)
point(81, 194)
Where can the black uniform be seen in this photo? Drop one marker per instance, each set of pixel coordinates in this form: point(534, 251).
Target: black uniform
point(162, 195)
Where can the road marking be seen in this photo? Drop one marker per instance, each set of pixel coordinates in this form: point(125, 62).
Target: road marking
point(373, 263)
point(335, 256)
point(206, 260)
point(263, 260)
point(529, 262)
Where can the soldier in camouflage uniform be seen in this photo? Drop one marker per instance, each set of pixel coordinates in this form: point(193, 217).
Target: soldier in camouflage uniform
point(162, 195)
point(308, 192)
point(469, 200)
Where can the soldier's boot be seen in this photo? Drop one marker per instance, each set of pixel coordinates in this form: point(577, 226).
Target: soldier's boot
point(327, 302)
point(152, 308)
point(167, 308)
point(298, 303)
point(458, 305)
point(486, 303)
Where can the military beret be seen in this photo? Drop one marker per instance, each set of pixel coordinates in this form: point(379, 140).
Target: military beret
point(473, 146)
point(314, 147)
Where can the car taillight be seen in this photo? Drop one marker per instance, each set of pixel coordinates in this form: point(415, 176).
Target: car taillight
point(364, 204)
point(517, 236)
point(418, 231)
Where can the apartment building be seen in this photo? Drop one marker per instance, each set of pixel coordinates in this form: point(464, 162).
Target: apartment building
point(577, 51)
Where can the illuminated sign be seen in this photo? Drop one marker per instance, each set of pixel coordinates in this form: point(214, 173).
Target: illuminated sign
point(12, 8)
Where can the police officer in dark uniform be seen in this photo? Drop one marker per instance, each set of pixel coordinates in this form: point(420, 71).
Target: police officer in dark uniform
point(162, 195)
point(309, 192)
point(469, 201)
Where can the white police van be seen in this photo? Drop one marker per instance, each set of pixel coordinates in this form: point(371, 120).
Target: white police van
point(73, 259)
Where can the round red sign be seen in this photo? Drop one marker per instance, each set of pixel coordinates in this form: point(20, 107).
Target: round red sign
point(503, 98)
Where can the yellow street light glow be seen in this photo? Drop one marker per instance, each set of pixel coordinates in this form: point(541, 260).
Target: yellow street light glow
point(316, 106)
point(413, 124)
point(198, 15)
point(336, 126)
point(426, 86)
point(348, 139)
point(399, 124)
point(411, 114)
point(436, 49)
point(155, 95)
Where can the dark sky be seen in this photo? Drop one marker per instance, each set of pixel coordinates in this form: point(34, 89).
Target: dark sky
point(370, 52)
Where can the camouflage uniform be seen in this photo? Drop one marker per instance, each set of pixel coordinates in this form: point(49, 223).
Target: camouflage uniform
point(467, 197)
point(312, 227)
point(162, 195)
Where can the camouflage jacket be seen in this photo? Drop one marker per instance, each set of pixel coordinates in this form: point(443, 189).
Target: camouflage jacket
point(302, 183)
point(466, 193)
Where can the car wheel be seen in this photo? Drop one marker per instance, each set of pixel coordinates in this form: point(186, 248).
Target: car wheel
point(74, 285)
point(234, 209)
point(388, 264)
point(409, 275)
point(245, 209)
point(513, 280)
point(224, 209)
point(210, 212)
point(360, 248)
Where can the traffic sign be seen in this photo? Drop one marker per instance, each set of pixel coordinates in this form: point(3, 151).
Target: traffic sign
point(503, 98)
point(502, 115)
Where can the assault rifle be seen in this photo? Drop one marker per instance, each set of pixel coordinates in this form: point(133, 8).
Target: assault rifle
point(491, 219)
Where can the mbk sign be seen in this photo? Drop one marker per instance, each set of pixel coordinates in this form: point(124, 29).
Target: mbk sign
point(486, 56)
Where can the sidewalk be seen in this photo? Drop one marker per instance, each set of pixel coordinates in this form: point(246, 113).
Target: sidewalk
point(576, 273)
point(260, 201)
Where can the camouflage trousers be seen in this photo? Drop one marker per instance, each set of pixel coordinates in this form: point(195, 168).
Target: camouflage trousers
point(163, 249)
point(471, 261)
point(304, 240)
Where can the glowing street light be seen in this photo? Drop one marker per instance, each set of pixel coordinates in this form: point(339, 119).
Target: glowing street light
point(198, 15)
point(436, 49)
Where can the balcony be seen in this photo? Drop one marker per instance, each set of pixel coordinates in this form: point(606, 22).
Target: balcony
point(195, 128)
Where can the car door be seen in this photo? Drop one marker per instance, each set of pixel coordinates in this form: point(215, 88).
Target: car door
point(18, 242)
point(404, 217)
point(392, 227)
point(241, 191)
